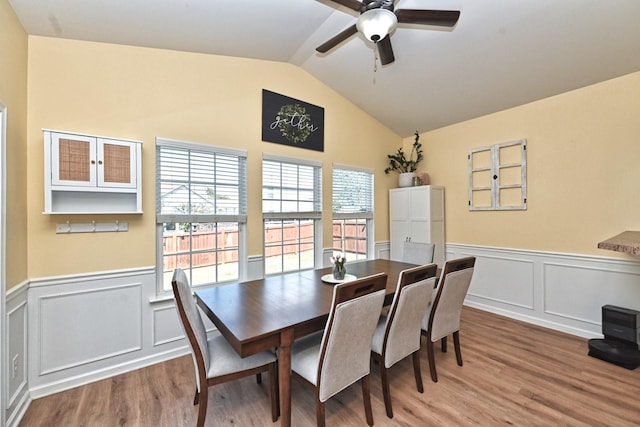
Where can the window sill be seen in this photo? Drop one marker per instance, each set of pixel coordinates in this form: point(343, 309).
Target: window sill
point(160, 299)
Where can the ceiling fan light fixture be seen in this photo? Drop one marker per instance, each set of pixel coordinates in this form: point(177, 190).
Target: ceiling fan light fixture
point(375, 24)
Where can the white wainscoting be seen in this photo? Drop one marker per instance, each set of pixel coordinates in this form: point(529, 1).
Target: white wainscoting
point(16, 320)
point(564, 292)
point(83, 328)
point(87, 327)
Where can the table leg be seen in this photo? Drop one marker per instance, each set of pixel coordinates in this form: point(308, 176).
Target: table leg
point(284, 376)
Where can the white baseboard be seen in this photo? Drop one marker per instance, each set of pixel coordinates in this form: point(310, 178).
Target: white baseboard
point(14, 418)
point(96, 375)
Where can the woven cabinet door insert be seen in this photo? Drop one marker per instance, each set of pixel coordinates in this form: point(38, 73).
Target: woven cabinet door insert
point(117, 163)
point(74, 160)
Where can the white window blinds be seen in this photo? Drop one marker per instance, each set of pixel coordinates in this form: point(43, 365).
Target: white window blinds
point(352, 193)
point(291, 188)
point(200, 183)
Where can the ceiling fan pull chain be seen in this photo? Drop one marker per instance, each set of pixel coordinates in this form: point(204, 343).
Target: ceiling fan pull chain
point(375, 64)
point(375, 59)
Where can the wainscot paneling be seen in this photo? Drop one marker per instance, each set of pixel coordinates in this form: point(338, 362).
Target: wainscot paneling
point(83, 328)
point(255, 267)
point(18, 398)
point(87, 327)
point(166, 325)
point(564, 292)
point(383, 250)
point(105, 322)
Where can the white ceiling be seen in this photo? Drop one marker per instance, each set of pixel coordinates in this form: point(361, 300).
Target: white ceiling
point(501, 53)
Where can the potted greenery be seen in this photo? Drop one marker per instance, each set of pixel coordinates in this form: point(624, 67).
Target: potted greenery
point(406, 167)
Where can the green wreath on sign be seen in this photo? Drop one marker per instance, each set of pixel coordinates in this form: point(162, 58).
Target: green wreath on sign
point(294, 123)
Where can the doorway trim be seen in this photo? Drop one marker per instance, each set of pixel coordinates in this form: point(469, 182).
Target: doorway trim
point(4, 371)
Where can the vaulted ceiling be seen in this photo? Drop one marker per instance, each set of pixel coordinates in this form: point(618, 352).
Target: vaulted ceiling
point(500, 54)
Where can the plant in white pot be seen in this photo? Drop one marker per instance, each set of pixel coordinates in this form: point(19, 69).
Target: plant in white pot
point(405, 167)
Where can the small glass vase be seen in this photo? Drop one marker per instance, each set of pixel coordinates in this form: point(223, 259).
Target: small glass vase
point(339, 270)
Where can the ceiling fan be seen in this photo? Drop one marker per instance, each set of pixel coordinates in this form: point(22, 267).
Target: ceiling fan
point(378, 18)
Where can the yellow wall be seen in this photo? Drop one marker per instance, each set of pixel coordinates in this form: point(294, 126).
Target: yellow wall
point(13, 94)
point(583, 167)
point(139, 93)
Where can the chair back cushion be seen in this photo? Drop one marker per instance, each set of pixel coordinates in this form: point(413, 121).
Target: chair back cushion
point(452, 290)
point(346, 344)
point(404, 321)
point(191, 320)
point(417, 253)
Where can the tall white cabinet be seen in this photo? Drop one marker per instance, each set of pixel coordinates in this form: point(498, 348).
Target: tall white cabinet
point(417, 214)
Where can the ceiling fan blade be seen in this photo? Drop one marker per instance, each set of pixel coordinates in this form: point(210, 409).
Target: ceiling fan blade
point(339, 38)
point(442, 18)
point(351, 4)
point(385, 51)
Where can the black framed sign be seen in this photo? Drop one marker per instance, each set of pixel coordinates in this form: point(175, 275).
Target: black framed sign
point(292, 122)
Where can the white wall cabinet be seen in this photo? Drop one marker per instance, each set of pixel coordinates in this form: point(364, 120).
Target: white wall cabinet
point(417, 214)
point(91, 174)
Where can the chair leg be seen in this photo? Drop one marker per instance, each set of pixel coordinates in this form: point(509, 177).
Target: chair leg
point(274, 393)
point(196, 398)
point(443, 343)
point(456, 344)
point(202, 406)
point(366, 397)
point(416, 370)
point(432, 360)
point(319, 413)
point(385, 390)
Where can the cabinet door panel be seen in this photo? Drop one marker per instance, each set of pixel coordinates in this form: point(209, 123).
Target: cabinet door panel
point(421, 231)
point(399, 201)
point(116, 164)
point(420, 204)
point(399, 231)
point(73, 160)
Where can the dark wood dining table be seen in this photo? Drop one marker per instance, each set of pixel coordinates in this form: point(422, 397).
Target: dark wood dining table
point(272, 312)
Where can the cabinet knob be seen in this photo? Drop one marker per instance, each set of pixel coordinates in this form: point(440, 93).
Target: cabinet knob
point(93, 162)
point(99, 162)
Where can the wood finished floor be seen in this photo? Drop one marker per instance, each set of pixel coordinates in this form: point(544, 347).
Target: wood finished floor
point(513, 374)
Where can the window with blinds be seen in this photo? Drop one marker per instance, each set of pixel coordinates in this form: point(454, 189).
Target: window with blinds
point(352, 202)
point(201, 209)
point(291, 210)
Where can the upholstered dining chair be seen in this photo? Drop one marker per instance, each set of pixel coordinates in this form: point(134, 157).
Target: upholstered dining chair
point(332, 360)
point(215, 361)
point(443, 316)
point(398, 333)
point(418, 253)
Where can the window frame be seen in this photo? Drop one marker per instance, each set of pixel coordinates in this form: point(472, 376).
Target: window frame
point(367, 214)
point(495, 168)
point(240, 217)
point(315, 214)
